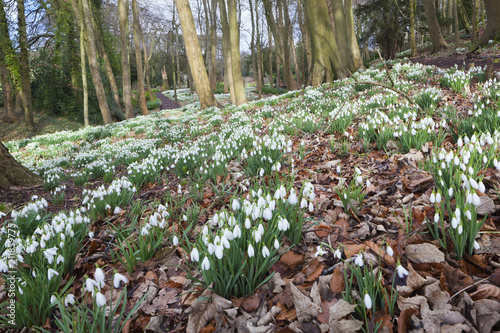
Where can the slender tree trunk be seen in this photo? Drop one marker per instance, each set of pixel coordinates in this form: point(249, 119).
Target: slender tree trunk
point(305, 38)
point(287, 71)
point(195, 59)
point(296, 64)
point(146, 64)
point(437, 39)
point(127, 86)
point(85, 87)
point(271, 73)
point(90, 45)
point(213, 45)
point(259, 53)
point(455, 18)
point(164, 78)
point(463, 17)
point(7, 92)
point(492, 30)
point(252, 43)
point(138, 58)
point(341, 33)
point(24, 67)
point(413, 44)
point(109, 70)
point(327, 64)
point(474, 22)
point(226, 49)
point(12, 173)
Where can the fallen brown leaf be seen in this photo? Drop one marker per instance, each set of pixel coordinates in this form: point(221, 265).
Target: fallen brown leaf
point(486, 291)
point(291, 259)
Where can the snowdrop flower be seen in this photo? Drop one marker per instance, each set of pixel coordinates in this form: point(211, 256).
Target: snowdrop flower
point(475, 200)
point(50, 253)
point(4, 268)
point(251, 252)
point(175, 241)
point(144, 231)
point(438, 197)
point(359, 260)
point(117, 210)
point(99, 277)
point(70, 299)
point(100, 299)
point(450, 192)
point(211, 248)
point(436, 218)
point(205, 264)
point(389, 251)
point(248, 224)
point(51, 273)
point(267, 214)
point(283, 224)
point(261, 172)
point(195, 255)
point(303, 203)
point(481, 187)
point(118, 279)
point(319, 251)
point(402, 272)
point(337, 254)
point(368, 302)
point(454, 223)
point(179, 189)
point(476, 245)
point(236, 205)
point(265, 252)
point(276, 244)
point(460, 229)
point(59, 259)
point(432, 198)
point(311, 207)
point(53, 299)
point(292, 199)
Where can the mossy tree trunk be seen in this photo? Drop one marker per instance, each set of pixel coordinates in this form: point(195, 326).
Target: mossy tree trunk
point(12, 173)
point(492, 31)
point(437, 39)
point(138, 58)
point(234, 33)
point(126, 84)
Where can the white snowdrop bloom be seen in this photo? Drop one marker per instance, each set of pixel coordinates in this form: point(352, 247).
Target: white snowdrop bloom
point(319, 251)
point(460, 142)
point(53, 299)
point(311, 207)
point(51, 273)
point(117, 210)
point(211, 248)
point(50, 254)
point(175, 241)
point(438, 197)
point(257, 236)
point(100, 299)
point(70, 299)
point(475, 200)
point(256, 212)
point(481, 187)
point(118, 279)
point(237, 231)
point(276, 244)
point(248, 224)
point(261, 172)
point(99, 277)
point(225, 242)
point(337, 254)
point(473, 183)
point(236, 205)
point(59, 259)
point(265, 252)
point(338, 169)
point(476, 245)
point(436, 218)
point(205, 264)
point(368, 302)
point(215, 219)
point(402, 272)
point(454, 222)
point(359, 260)
point(195, 255)
point(468, 214)
point(251, 251)
point(267, 214)
point(390, 251)
point(90, 285)
point(303, 203)
point(450, 192)
point(144, 231)
point(283, 224)
point(432, 198)
point(460, 229)
point(219, 251)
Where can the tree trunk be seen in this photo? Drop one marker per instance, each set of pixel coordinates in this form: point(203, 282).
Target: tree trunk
point(138, 58)
point(413, 44)
point(474, 22)
point(127, 86)
point(271, 74)
point(327, 64)
point(25, 67)
point(437, 39)
point(226, 47)
point(85, 87)
point(146, 64)
point(234, 34)
point(259, 53)
point(164, 78)
point(341, 33)
point(455, 19)
point(213, 45)
point(7, 92)
point(252, 43)
point(12, 173)
point(352, 40)
point(195, 59)
point(83, 15)
point(492, 31)
point(305, 38)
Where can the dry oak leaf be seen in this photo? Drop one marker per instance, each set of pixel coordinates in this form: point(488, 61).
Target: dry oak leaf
point(413, 282)
point(305, 308)
point(338, 311)
point(206, 307)
point(486, 291)
point(424, 253)
point(487, 314)
point(291, 259)
point(337, 283)
point(405, 303)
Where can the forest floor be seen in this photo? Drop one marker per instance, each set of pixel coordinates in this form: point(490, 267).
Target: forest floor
point(330, 136)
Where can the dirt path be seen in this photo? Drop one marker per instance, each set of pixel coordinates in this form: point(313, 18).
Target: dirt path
point(460, 60)
point(166, 103)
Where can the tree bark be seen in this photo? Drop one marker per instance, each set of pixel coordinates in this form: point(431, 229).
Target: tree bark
point(25, 67)
point(352, 40)
point(12, 173)
point(327, 64)
point(234, 34)
point(306, 42)
point(260, 80)
point(138, 58)
point(437, 39)
point(226, 47)
point(126, 84)
point(213, 45)
point(413, 44)
point(455, 19)
point(474, 22)
point(195, 58)
point(85, 87)
point(492, 31)
point(6, 86)
point(164, 78)
point(90, 45)
point(271, 73)
point(147, 57)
